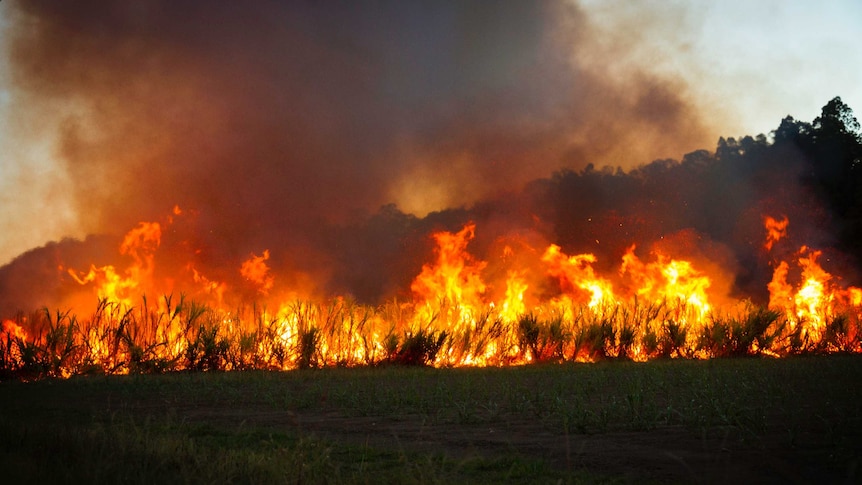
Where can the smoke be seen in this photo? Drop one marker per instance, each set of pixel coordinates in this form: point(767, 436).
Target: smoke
point(286, 126)
point(296, 112)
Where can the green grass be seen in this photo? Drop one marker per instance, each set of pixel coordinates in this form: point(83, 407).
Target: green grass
point(666, 421)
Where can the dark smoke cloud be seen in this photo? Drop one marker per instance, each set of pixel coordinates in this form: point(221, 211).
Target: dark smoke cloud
point(286, 125)
point(295, 112)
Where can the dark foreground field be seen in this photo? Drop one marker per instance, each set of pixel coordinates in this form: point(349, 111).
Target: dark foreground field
point(719, 421)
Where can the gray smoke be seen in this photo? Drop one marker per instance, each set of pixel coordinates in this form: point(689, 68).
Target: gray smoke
point(278, 125)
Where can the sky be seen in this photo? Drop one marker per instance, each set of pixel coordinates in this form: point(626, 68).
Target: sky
point(113, 114)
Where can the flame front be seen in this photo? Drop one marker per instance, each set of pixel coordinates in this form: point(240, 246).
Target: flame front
point(543, 305)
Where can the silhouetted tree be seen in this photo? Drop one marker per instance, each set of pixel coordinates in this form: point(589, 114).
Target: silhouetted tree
point(836, 154)
point(791, 131)
point(811, 172)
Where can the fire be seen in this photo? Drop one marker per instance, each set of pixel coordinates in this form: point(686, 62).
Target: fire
point(109, 285)
point(210, 287)
point(780, 291)
point(455, 276)
point(255, 270)
point(453, 283)
point(814, 304)
point(514, 305)
point(812, 300)
point(528, 304)
point(775, 230)
point(577, 272)
point(13, 330)
point(140, 243)
point(675, 281)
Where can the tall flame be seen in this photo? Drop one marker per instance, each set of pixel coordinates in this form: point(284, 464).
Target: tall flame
point(814, 302)
point(533, 305)
point(453, 280)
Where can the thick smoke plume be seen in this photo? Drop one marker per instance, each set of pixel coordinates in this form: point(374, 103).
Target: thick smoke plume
point(337, 136)
point(296, 112)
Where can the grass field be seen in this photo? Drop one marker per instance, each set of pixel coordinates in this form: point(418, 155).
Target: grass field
point(719, 421)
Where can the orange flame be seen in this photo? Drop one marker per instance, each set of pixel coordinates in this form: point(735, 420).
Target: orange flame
point(514, 306)
point(675, 281)
point(13, 329)
point(210, 287)
point(141, 244)
point(775, 230)
point(534, 305)
point(812, 303)
point(255, 270)
point(816, 300)
point(577, 272)
point(454, 280)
